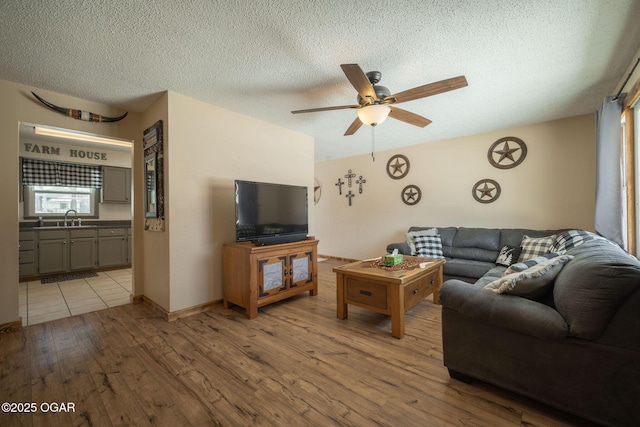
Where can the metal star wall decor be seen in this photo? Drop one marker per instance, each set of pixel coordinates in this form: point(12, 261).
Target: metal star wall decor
point(411, 195)
point(398, 166)
point(507, 153)
point(486, 191)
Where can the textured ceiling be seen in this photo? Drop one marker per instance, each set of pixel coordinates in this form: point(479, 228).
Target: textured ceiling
point(526, 61)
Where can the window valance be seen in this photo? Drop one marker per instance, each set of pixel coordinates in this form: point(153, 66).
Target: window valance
point(43, 172)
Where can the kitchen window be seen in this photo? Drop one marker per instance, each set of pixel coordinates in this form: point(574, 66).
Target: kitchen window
point(53, 201)
point(53, 188)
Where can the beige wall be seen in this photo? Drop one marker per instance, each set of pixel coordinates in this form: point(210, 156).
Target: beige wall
point(151, 258)
point(553, 188)
point(208, 148)
point(18, 105)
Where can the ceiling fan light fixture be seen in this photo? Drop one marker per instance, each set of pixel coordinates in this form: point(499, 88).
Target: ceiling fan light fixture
point(373, 114)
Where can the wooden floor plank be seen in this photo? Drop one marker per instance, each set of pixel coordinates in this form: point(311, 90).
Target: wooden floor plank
point(296, 364)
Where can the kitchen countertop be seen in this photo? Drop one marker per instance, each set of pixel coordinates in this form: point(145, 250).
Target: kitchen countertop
point(50, 225)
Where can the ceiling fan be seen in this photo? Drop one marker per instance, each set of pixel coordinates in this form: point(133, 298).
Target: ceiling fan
point(374, 101)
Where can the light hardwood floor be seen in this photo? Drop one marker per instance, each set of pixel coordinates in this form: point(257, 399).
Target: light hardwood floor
point(296, 364)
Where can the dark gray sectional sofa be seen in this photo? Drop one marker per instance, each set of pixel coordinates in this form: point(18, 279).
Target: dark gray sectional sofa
point(576, 348)
point(472, 252)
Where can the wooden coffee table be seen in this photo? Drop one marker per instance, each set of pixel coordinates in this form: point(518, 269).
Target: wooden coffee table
point(390, 292)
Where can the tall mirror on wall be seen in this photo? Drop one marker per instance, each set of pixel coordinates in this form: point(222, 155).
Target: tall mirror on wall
point(150, 186)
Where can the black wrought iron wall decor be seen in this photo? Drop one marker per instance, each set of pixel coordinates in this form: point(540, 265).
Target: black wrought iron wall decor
point(317, 191)
point(360, 181)
point(486, 191)
point(349, 176)
point(507, 152)
point(411, 195)
point(398, 166)
point(153, 147)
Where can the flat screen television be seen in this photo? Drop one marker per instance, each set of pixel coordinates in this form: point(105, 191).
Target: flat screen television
point(270, 213)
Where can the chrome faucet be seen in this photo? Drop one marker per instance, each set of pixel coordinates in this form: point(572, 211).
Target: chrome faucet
point(67, 213)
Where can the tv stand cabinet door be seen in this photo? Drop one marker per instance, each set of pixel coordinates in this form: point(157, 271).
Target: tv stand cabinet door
point(301, 269)
point(272, 275)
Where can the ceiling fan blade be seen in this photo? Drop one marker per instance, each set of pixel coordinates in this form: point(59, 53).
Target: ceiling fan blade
point(354, 127)
point(359, 80)
point(313, 110)
point(428, 90)
point(408, 117)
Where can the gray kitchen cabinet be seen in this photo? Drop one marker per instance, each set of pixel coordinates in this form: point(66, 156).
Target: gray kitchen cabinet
point(116, 185)
point(82, 249)
point(112, 247)
point(72, 249)
point(27, 254)
point(52, 251)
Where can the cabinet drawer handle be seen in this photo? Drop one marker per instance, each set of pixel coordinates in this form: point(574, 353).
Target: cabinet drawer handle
point(415, 291)
point(432, 282)
point(367, 293)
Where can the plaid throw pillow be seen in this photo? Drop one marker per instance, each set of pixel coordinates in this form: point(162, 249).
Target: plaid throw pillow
point(428, 246)
point(570, 239)
point(535, 246)
point(411, 236)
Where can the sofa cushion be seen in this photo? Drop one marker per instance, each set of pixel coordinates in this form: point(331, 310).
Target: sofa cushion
point(484, 238)
point(428, 246)
point(411, 235)
point(503, 311)
point(494, 274)
point(532, 282)
point(590, 289)
point(480, 244)
point(535, 246)
point(466, 267)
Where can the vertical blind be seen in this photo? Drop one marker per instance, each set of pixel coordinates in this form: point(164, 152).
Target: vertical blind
point(43, 172)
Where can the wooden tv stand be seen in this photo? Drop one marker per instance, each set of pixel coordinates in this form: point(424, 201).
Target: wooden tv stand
point(255, 276)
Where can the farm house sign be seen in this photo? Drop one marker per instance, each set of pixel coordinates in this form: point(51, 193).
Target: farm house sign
point(73, 152)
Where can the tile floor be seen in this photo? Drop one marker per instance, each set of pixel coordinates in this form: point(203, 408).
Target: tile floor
point(44, 302)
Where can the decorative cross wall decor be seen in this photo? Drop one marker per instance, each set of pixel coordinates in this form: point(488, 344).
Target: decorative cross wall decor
point(350, 196)
point(360, 181)
point(349, 176)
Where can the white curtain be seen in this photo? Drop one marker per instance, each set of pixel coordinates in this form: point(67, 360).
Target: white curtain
point(610, 214)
